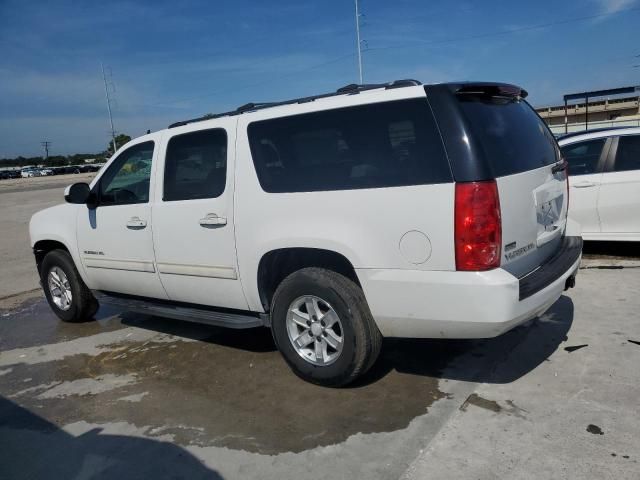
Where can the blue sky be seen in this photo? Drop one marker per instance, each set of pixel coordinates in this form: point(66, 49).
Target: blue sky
point(172, 60)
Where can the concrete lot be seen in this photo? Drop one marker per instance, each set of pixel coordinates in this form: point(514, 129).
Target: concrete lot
point(19, 199)
point(132, 396)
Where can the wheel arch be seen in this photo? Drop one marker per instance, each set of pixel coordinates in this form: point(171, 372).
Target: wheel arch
point(42, 247)
point(275, 265)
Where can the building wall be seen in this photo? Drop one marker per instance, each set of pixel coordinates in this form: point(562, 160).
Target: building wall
point(602, 113)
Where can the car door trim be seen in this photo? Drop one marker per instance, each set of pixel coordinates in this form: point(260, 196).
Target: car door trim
point(211, 271)
point(119, 264)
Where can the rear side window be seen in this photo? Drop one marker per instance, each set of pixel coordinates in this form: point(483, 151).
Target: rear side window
point(372, 146)
point(583, 157)
point(196, 165)
point(511, 135)
point(628, 155)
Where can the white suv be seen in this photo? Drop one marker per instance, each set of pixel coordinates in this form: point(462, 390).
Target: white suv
point(392, 210)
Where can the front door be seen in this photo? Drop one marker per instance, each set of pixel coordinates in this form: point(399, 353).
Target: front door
point(193, 229)
point(114, 239)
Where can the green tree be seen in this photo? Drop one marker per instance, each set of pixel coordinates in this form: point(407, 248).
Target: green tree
point(121, 139)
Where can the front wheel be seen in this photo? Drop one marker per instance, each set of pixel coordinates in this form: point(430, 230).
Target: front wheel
point(68, 296)
point(322, 325)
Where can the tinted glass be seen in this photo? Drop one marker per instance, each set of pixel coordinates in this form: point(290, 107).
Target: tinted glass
point(583, 157)
point(371, 146)
point(196, 165)
point(628, 155)
point(127, 179)
point(512, 137)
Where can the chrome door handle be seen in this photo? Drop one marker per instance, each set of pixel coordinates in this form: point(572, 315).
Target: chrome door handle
point(135, 222)
point(211, 220)
point(584, 185)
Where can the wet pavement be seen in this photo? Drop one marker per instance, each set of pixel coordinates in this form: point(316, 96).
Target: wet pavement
point(145, 397)
point(237, 390)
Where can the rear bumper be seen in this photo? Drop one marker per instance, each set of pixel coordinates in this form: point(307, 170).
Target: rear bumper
point(428, 304)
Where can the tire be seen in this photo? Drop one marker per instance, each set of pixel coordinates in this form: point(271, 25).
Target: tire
point(82, 305)
point(360, 338)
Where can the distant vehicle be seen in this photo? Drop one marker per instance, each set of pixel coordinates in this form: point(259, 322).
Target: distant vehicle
point(604, 180)
point(46, 172)
point(30, 172)
point(7, 174)
point(388, 210)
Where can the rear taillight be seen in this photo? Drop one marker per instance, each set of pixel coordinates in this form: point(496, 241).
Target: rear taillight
point(478, 226)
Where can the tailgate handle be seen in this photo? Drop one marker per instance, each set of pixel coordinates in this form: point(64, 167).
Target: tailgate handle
point(584, 185)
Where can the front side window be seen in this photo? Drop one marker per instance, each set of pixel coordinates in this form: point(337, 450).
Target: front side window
point(196, 165)
point(387, 144)
point(628, 155)
point(127, 179)
point(583, 157)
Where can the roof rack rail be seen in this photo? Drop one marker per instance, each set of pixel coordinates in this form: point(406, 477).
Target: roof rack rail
point(347, 89)
point(354, 87)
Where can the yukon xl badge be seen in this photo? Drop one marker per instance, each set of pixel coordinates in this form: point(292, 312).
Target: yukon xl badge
point(91, 252)
point(517, 253)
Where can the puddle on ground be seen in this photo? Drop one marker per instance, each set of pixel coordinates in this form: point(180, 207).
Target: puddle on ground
point(231, 389)
point(32, 323)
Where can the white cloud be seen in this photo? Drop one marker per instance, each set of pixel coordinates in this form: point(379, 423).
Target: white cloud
point(613, 6)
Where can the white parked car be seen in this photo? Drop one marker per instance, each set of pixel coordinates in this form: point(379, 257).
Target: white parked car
point(29, 172)
point(391, 210)
point(604, 176)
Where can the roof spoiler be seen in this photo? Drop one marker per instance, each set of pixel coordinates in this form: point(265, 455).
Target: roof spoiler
point(491, 90)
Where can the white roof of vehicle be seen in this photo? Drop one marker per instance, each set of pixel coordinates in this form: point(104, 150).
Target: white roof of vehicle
point(611, 132)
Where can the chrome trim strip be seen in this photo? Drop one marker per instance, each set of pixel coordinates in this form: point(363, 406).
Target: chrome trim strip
point(116, 264)
point(210, 271)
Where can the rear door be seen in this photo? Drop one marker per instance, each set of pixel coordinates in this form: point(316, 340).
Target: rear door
point(193, 226)
point(501, 138)
point(619, 200)
point(585, 177)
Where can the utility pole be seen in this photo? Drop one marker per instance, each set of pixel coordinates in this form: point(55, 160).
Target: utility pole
point(46, 144)
point(359, 42)
point(106, 92)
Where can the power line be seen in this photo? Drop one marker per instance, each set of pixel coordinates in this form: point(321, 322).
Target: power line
point(504, 32)
point(257, 84)
point(404, 46)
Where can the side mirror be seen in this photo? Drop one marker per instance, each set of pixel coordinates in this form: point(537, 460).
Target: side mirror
point(80, 193)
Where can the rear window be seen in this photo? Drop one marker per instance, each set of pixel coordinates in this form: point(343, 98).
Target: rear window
point(372, 146)
point(510, 133)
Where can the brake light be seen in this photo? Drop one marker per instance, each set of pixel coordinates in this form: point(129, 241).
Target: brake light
point(478, 226)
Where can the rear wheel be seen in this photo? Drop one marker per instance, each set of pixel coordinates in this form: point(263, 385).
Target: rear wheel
point(68, 296)
point(322, 325)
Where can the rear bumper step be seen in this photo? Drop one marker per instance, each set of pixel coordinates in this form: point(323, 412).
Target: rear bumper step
point(188, 312)
point(553, 269)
